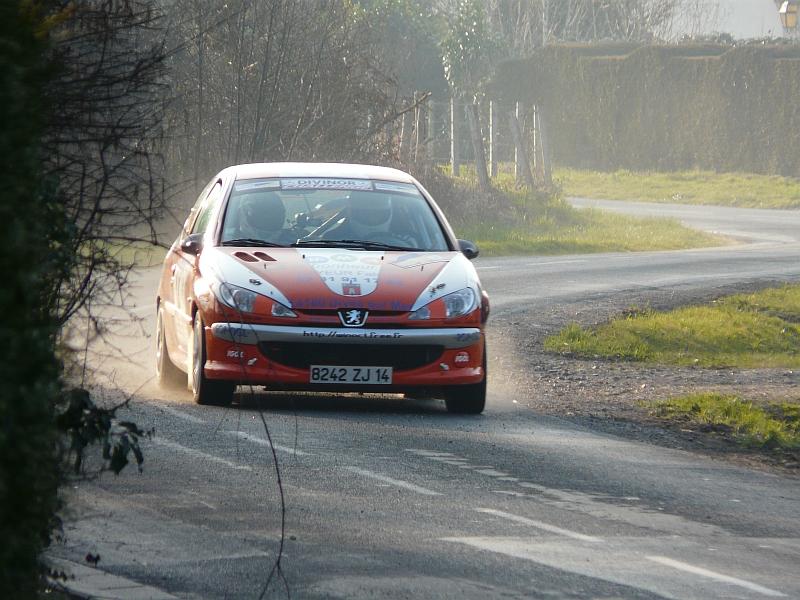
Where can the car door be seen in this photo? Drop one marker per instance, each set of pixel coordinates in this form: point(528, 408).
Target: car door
point(183, 266)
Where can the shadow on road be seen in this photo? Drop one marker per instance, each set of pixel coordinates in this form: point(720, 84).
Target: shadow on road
point(336, 403)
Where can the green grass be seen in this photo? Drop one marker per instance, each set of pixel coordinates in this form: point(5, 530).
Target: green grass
point(139, 254)
point(543, 223)
point(758, 330)
point(591, 231)
point(775, 425)
point(684, 187)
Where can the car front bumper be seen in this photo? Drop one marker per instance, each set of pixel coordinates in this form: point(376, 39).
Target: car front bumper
point(241, 352)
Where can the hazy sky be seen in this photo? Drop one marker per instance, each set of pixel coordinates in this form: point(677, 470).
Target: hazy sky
point(749, 18)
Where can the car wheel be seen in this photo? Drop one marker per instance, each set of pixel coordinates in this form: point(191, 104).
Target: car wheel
point(167, 374)
point(468, 399)
point(204, 390)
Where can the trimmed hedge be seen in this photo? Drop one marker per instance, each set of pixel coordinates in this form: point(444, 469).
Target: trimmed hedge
point(621, 106)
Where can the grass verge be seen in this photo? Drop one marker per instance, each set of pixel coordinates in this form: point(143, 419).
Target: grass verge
point(525, 222)
point(772, 426)
point(760, 330)
point(137, 254)
point(539, 232)
point(684, 187)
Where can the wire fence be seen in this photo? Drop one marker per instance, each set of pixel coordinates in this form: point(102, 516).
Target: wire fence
point(438, 131)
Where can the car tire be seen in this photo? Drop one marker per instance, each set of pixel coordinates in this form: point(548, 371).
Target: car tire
point(206, 391)
point(468, 399)
point(167, 374)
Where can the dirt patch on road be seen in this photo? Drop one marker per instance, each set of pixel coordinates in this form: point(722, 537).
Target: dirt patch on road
point(616, 397)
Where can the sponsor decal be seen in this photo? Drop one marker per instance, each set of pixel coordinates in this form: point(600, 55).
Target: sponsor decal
point(436, 288)
point(376, 335)
point(327, 303)
point(346, 274)
point(325, 183)
point(316, 259)
point(416, 259)
point(403, 188)
point(238, 354)
point(344, 258)
point(242, 186)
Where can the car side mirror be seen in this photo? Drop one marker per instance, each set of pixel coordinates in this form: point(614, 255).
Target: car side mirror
point(468, 249)
point(192, 244)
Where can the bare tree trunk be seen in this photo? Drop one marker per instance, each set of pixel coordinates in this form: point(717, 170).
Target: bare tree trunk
point(201, 24)
point(547, 169)
point(431, 137)
point(477, 146)
point(545, 24)
point(405, 137)
point(523, 164)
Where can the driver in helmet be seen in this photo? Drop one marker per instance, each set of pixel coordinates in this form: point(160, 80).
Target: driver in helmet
point(262, 217)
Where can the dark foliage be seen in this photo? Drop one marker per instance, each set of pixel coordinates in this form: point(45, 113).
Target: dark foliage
point(85, 424)
point(32, 234)
point(78, 131)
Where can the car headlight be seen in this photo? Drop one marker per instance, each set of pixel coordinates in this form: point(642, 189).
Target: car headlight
point(235, 297)
point(244, 300)
point(459, 303)
point(421, 314)
point(456, 304)
point(279, 310)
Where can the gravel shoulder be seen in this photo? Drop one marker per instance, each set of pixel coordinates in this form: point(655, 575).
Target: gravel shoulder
point(615, 397)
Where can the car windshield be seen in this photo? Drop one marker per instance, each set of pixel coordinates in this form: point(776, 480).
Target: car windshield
point(352, 213)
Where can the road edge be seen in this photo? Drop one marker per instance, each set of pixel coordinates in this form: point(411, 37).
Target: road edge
point(91, 583)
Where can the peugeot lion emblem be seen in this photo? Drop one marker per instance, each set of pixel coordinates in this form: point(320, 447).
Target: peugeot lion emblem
point(353, 317)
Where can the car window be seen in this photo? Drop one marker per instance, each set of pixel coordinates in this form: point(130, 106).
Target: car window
point(187, 225)
point(207, 209)
point(285, 211)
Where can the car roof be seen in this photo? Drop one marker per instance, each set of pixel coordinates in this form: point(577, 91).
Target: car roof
point(299, 169)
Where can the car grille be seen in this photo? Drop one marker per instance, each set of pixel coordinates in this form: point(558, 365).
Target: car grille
point(301, 355)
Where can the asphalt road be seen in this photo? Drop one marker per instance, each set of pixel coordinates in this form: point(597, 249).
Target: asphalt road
point(394, 498)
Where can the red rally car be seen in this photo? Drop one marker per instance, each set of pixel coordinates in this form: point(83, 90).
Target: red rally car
point(322, 277)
